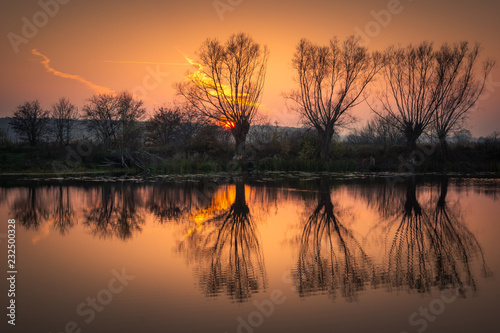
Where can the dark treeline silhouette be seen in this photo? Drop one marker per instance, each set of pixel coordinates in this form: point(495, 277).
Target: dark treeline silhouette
point(420, 94)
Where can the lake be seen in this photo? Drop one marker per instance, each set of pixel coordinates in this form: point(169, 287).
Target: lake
point(280, 253)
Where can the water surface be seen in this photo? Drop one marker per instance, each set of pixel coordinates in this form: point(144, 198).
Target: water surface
point(314, 255)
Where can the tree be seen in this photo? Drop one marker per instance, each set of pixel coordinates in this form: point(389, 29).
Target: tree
point(113, 118)
point(164, 124)
point(101, 112)
point(331, 81)
point(30, 122)
point(227, 86)
point(64, 114)
point(378, 132)
point(411, 93)
point(130, 112)
point(462, 87)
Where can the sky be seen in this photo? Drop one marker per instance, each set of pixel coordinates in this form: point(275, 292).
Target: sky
point(77, 48)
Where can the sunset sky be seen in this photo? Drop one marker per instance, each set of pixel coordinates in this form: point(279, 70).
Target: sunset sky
point(89, 46)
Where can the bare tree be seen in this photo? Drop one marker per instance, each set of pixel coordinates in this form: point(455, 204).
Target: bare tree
point(173, 124)
point(377, 131)
point(130, 113)
point(331, 81)
point(113, 118)
point(462, 87)
point(101, 114)
point(164, 125)
point(227, 85)
point(64, 114)
point(412, 91)
point(30, 122)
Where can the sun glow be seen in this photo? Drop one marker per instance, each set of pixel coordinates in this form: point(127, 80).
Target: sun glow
point(228, 124)
point(201, 79)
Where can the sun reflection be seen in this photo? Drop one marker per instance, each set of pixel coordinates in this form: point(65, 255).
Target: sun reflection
point(221, 201)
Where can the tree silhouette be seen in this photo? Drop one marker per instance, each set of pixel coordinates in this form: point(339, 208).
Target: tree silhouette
point(331, 82)
point(457, 70)
point(30, 122)
point(64, 115)
point(227, 86)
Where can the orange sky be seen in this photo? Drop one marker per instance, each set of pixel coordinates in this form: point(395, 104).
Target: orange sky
point(119, 45)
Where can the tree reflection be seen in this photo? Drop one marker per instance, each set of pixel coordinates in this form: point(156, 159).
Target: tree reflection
point(330, 257)
point(226, 248)
point(168, 203)
point(456, 247)
point(64, 214)
point(30, 209)
point(430, 247)
point(115, 213)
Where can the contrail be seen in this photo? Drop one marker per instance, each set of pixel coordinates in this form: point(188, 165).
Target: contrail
point(46, 63)
point(145, 62)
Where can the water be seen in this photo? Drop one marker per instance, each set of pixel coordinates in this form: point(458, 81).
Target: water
point(314, 255)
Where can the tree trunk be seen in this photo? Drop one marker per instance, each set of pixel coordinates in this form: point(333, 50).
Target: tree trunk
point(239, 132)
point(444, 192)
point(444, 146)
point(411, 204)
point(240, 144)
point(412, 135)
point(326, 139)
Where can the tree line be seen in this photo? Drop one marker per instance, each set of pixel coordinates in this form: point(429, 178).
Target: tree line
point(411, 90)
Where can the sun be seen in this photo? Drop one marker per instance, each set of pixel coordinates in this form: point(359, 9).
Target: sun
point(228, 124)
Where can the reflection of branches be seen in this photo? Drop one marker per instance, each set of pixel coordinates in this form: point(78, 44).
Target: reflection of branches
point(166, 203)
point(330, 257)
point(408, 261)
point(114, 213)
point(30, 209)
point(455, 246)
point(430, 249)
point(382, 197)
point(64, 214)
point(228, 252)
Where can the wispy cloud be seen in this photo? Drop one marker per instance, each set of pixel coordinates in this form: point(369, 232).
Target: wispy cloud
point(46, 64)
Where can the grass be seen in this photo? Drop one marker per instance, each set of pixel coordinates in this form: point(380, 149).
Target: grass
point(52, 160)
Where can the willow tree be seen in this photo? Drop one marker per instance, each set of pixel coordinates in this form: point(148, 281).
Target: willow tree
point(462, 86)
point(411, 93)
point(331, 80)
point(227, 86)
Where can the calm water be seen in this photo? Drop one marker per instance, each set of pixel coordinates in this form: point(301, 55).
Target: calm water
point(310, 255)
